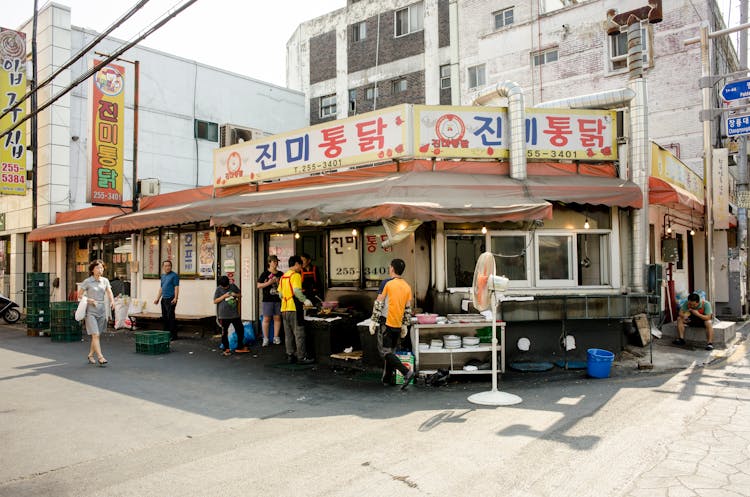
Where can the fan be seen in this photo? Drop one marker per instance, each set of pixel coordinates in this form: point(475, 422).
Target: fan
point(486, 285)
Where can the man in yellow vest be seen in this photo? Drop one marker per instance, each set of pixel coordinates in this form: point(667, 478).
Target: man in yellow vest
point(293, 302)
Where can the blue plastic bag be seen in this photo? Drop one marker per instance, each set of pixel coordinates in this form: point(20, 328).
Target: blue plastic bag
point(249, 333)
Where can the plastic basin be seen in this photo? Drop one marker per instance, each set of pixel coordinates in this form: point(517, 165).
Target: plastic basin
point(599, 363)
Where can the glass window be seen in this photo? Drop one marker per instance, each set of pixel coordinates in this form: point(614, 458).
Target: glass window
point(409, 20)
point(352, 102)
point(377, 258)
point(344, 258)
point(545, 57)
point(555, 254)
point(151, 259)
point(371, 93)
point(359, 31)
point(445, 77)
point(503, 18)
point(206, 130)
point(476, 76)
point(462, 253)
point(328, 106)
point(400, 85)
point(618, 50)
point(511, 257)
point(593, 259)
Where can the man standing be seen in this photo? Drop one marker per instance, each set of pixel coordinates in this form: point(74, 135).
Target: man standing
point(397, 321)
point(695, 312)
point(312, 286)
point(169, 291)
point(292, 312)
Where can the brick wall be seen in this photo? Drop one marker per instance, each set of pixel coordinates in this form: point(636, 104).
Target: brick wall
point(444, 35)
point(361, 54)
point(323, 57)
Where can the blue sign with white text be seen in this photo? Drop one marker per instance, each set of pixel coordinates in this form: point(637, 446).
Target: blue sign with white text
point(738, 125)
point(736, 90)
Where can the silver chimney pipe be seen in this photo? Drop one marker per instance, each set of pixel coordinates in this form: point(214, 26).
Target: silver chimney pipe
point(610, 99)
point(517, 115)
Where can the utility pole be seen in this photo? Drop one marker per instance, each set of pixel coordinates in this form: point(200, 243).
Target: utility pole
point(36, 255)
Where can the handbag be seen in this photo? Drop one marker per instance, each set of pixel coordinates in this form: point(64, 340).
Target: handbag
point(81, 310)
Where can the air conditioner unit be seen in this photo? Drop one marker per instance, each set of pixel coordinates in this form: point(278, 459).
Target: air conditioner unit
point(148, 187)
point(231, 134)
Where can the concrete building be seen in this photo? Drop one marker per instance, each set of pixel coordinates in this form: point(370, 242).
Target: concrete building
point(370, 55)
point(183, 107)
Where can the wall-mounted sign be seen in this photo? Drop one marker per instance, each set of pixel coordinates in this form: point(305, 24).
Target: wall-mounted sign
point(107, 135)
point(12, 88)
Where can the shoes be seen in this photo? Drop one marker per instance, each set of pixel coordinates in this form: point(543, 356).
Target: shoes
point(102, 362)
point(306, 360)
point(243, 350)
point(387, 379)
point(407, 379)
point(276, 340)
point(679, 341)
point(709, 346)
point(291, 359)
point(226, 353)
point(265, 342)
point(91, 360)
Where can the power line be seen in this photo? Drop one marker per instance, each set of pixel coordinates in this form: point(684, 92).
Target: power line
point(98, 66)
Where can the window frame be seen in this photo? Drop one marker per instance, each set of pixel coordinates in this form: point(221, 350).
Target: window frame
point(359, 31)
point(528, 256)
point(502, 15)
point(542, 57)
point(371, 92)
point(414, 15)
point(444, 77)
point(352, 101)
point(475, 77)
point(619, 62)
point(205, 130)
point(572, 279)
point(328, 109)
point(397, 84)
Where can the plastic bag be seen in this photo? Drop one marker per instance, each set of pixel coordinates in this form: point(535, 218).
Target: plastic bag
point(249, 333)
point(80, 314)
point(121, 314)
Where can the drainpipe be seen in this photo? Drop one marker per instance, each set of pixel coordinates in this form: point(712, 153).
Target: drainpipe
point(517, 116)
point(610, 99)
point(455, 56)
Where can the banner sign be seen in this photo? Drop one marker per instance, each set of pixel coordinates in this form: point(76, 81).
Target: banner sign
point(721, 188)
point(666, 166)
point(12, 89)
point(367, 138)
point(107, 135)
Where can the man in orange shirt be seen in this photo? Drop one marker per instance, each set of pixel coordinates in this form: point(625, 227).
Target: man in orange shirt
point(292, 312)
point(397, 321)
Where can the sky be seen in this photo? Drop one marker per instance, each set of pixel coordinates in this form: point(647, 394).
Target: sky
point(242, 36)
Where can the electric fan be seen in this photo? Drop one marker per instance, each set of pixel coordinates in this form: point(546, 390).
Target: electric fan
point(483, 290)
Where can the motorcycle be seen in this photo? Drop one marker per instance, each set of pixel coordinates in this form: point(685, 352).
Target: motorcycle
point(9, 310)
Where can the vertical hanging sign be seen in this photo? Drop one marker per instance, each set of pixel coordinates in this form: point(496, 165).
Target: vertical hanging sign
point(12, 89)
point(107, 135)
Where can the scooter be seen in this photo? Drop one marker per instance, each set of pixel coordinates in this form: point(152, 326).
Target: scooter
point(9, 310)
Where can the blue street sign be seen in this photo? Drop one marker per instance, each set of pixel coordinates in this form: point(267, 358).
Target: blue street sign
point(736, 90)
point(738, 125)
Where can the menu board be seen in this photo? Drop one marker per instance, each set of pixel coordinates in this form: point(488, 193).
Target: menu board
point(206, 253)
point(188, 253)
point(151, 256)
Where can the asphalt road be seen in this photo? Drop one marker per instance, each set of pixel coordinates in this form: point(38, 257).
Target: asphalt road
point(192, 423)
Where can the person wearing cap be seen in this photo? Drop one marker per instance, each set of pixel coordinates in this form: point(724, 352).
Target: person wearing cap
point(268, 282)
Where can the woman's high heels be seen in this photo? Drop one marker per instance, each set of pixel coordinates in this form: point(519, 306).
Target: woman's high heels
point(91, 360)
point(102, 362)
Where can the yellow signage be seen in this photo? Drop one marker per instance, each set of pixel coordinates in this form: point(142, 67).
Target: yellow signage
point(12, 89)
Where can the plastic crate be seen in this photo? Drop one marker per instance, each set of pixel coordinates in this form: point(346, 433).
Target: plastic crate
point(65, 327)
point(63, 306)
point(152, 342)
point(37, 278)
point(65, 337)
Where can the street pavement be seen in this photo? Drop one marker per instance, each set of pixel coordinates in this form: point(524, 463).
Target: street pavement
point(193, 423)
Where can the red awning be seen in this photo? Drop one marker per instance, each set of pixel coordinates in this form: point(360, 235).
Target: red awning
point(661, 192)
point(91, 226)
point(583, 189)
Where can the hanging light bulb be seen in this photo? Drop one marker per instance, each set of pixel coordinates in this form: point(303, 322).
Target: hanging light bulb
point(586, 224)
point(669, 229)
point(484, 230)
point(692, 232)
point(228, 232)
point(296, 236)
point(354, 231)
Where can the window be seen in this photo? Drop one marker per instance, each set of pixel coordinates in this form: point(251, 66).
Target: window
point(554, 253)
point(511, 257)
point(476, 76)
point(445, 77)
point(462, 252)
point(344, 258)
point(328, 106)
point(618, 50)
point(376, 258)
point(371, 93)
point(409, 20)
point(352, 102)
point(545, 57)
point(503, 18)
point(191, 248)
point(359, 31)
point(399, 85)
point(552, 5)
point(593, 259)
point(206, 130)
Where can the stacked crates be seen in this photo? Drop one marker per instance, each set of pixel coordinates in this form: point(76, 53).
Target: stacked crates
point(64, 327)
point(37, 303)
point(151, 342)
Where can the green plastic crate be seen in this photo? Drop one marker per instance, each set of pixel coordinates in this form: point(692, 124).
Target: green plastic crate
point(65, 327)
point(152, 342)
point(65, 337)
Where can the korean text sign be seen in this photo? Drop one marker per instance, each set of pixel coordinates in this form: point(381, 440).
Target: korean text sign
point(107, 135)
point(12, 89)
point(367, 138)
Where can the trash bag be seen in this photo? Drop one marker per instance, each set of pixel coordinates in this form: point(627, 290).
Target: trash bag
point(121, 314)
point(249, 333)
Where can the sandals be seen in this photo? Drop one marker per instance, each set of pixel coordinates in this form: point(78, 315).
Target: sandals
point(102, 362)
point(91, 359)
point(226, 353)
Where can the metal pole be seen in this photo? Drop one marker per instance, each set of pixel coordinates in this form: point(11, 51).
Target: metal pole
point(742, 160)
point(35, 246)
point(136, 101)
point(707, 164)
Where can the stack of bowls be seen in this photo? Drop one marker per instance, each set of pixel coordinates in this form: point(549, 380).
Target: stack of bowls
point(436, 343)
point(452, 341)
point(470, 342)
point(424, 347)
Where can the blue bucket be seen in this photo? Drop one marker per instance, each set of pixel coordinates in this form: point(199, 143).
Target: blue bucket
point(599, 363)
